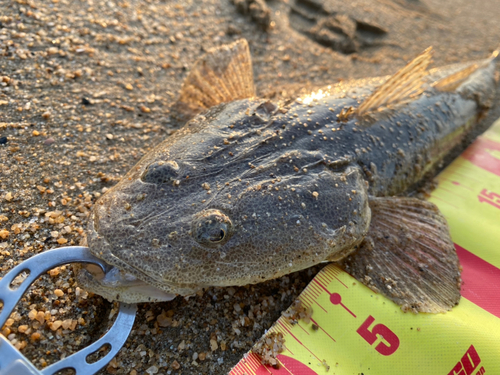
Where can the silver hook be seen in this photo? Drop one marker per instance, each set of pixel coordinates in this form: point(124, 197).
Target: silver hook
point(12, 361)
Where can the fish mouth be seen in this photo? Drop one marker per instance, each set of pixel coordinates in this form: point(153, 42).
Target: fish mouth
point(118, 281)
point(114, 284)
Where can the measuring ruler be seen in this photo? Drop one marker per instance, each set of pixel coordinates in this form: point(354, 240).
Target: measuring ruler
point(355, 331)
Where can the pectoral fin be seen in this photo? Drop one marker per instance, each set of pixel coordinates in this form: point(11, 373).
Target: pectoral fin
point(222, 75)
point(408, 256)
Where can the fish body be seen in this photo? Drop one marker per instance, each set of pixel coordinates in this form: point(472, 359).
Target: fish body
point(250, 189)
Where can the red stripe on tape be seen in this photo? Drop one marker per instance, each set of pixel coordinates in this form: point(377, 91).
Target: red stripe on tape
point(480, 154)
point(481, 281)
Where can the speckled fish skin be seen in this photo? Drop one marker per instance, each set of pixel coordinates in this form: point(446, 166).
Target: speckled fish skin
point(287, 184)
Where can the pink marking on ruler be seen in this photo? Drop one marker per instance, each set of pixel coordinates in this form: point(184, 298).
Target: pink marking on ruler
point(481, 281)
point(333, 271)
point(321, 307)
point(442, 200)
point(312, 320)
point(336, 299)
point(316, 290)
point(466, 176)
point(254, 360)
point(321, 285)
point(296, 339)
point(298, 324)
point(284, 367)
point(311, 301)
point(283, 332)
point(335, 277)
point(317, 303)
point(297, 367)
point(238, 370)
point(451, 192)
point(248, 363)
point(456, 183)
point(478, 154)
point(263, 370)
point(341, 282)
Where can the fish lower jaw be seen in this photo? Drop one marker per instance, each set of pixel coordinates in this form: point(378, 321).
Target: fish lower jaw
point(115, 285)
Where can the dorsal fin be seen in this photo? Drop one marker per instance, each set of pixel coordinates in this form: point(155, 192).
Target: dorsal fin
point(222, 75)
point(453, 81)
point(406, 83)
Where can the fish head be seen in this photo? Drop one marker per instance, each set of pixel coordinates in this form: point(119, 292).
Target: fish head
point(216, 204)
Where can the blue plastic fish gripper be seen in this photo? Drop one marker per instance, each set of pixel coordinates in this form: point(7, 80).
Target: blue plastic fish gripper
point(13, 362)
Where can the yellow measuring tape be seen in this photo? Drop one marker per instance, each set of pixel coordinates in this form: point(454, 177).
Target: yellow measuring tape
point(355, 331)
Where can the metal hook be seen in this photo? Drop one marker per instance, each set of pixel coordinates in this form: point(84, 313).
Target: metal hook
point(12, 361)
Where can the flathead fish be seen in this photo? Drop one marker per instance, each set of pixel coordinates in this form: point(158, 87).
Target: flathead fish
point(250, 189)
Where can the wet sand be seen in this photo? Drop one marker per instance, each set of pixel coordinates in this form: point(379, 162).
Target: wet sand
point(87, 87)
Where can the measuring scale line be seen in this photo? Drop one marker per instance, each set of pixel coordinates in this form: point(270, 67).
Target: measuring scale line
point(290, 325)
point(242, 367)
point(311, 292)
point(456, 183)
point(314, 290)
point(332, 273)
point(254, 361)
point(283, 366)
point(321, 328)
point(328, 276)
point(283, 332)
point(335, 298)
point(298, 324)
point(434, 196)
point(310, 295)
point(300, 343)
point(311, 301)
point(242, 370)
point(452, 192)
point(262, 368)
point(317, 303)
point(465, 176)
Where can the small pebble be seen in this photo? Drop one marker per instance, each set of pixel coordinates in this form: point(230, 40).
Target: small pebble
point(48, 141)
point(55, 325)
point(152, 370)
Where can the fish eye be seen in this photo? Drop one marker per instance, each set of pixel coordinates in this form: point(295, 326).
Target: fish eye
point(161, 172)
point(218, 237)
point(211, 228)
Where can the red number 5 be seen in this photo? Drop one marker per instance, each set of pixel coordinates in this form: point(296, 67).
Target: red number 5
point(383, 331)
